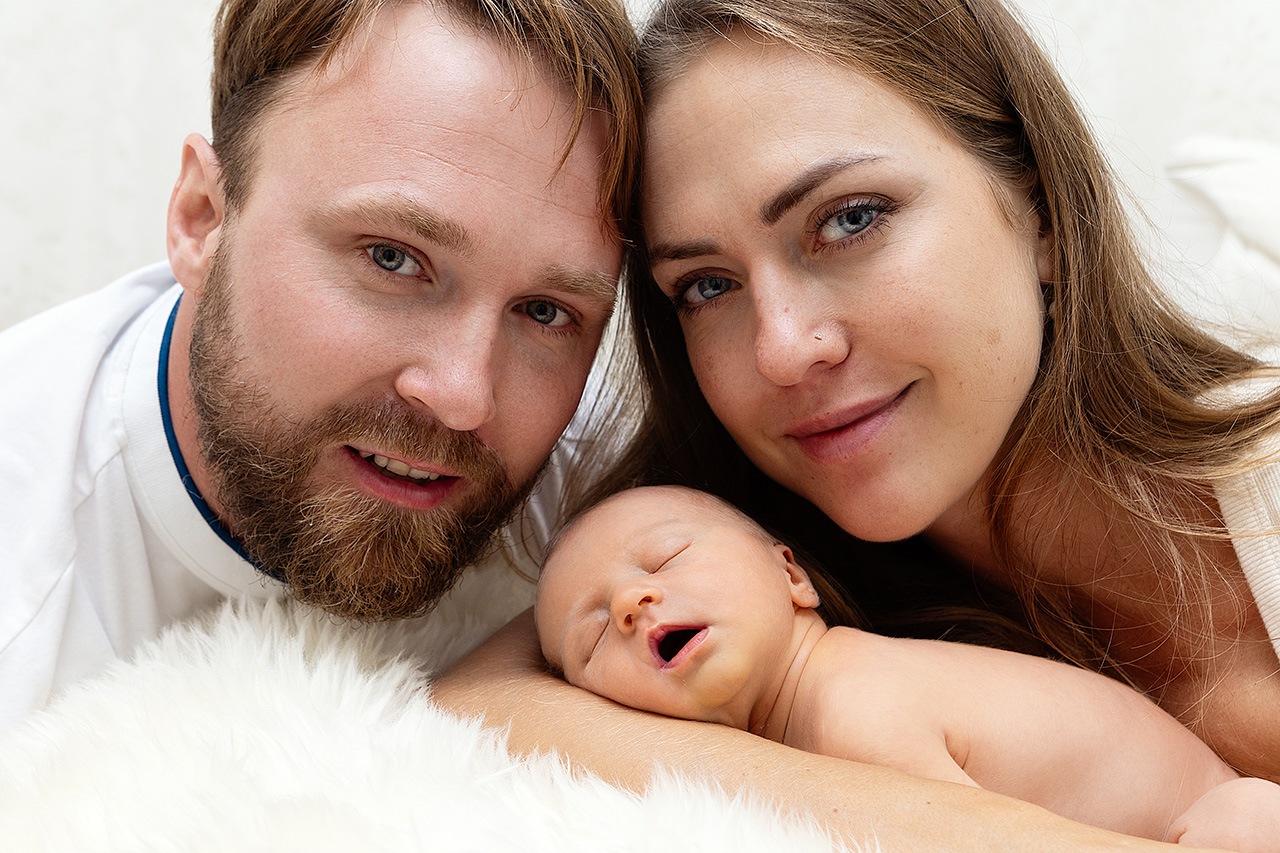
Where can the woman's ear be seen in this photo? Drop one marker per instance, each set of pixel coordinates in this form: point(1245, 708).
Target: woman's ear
point(802, 592)
point(1046, 252)
point(196, 211)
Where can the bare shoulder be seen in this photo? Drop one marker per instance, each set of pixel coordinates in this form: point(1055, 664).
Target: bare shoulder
point(864, 702)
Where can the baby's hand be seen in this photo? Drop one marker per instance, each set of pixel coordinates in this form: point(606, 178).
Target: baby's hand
point(1241, 815)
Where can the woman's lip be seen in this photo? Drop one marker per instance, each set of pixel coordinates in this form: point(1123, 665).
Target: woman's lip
point(844, 433)
point(844, 417)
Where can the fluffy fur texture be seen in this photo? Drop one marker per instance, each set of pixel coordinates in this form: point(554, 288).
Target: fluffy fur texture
point(277, 728)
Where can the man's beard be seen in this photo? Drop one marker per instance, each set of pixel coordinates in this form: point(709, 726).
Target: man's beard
point(336, 548)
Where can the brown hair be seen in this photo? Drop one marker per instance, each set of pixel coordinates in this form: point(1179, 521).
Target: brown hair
point(1120, 397)
point(586, 45)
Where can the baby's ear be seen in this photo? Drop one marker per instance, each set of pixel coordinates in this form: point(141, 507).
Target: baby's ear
point(802, 592)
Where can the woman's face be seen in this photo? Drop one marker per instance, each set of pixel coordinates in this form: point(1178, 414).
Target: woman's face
point(859, 296)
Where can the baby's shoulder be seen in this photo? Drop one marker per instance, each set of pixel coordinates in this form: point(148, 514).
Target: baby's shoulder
point(874, 676)
point(868, 704)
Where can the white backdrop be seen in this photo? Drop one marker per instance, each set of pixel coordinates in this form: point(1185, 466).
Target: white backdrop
point(96, 98)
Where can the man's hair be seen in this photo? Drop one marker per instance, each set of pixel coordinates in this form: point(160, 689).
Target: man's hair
point(586, 46)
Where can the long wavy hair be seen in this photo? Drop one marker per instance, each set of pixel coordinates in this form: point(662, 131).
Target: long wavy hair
point(1120, 400)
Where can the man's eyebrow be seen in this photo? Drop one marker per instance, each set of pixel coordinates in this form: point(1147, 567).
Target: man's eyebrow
point(398, 213)
point(806, 182)
point(596, 286)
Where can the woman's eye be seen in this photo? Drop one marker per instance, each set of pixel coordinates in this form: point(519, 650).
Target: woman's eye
point(846, 223)
point(547, 313)
point(704, 289)
point(393, 259)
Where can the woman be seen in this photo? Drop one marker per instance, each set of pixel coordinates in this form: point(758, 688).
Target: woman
point(890, 261)
point(1067, 434)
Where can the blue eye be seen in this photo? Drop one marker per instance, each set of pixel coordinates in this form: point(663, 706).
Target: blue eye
point(547, 313)
point(847, 223)
point(393, 259)
point(703, 289)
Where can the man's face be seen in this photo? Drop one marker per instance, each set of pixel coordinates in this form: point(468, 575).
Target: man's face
point(399, 318)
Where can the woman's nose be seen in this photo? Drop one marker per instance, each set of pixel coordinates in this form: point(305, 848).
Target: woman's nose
point(794, 335)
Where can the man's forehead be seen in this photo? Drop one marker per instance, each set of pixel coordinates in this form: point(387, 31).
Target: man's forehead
point(415, 55)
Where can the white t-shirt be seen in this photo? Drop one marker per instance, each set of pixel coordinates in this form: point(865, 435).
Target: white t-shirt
point(1250, 505)
point(103, 545)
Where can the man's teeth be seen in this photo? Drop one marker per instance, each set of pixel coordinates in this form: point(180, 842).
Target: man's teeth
point(395, 466)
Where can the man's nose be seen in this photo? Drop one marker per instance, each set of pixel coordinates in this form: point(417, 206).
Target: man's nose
point(452, 377)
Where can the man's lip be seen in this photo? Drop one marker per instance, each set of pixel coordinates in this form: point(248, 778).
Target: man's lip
point(367, 453)
point(413, 494)
point(844, 417)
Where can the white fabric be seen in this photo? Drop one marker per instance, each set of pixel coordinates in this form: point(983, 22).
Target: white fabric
point(1233, 184)
point(267, 727)
point(1250, 505)
point(103, 546)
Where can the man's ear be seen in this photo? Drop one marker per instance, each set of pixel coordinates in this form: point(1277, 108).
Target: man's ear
point(802, 592)
point(196, 211)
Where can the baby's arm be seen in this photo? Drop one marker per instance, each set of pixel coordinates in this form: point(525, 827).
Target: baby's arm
point(1241, 815)
point(1072, 741)
point(505, 683)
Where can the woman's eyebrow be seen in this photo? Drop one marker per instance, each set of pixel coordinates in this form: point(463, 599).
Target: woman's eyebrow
point(806, 182)
point(771, 211)
point(682, 251)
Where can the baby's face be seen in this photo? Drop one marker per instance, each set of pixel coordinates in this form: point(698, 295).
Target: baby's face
point(662, 600)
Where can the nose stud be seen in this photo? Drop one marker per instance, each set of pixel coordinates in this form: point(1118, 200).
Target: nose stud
point(817, 337)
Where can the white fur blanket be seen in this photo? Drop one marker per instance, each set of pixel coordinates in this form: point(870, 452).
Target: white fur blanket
point(270, 728)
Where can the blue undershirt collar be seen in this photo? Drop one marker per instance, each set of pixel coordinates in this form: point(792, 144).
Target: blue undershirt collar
point(162, 382)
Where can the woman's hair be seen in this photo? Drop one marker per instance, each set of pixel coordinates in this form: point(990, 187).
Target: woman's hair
point(1120, 398)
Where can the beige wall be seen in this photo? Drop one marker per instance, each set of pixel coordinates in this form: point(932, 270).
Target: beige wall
point(96, 99)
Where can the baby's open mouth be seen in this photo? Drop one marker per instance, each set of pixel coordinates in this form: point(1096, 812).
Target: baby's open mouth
point(670, 645)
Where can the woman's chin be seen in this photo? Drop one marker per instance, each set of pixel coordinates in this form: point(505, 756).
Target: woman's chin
point(876, 518)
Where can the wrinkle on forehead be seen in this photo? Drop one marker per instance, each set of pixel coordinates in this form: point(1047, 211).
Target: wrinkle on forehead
point(463, 162)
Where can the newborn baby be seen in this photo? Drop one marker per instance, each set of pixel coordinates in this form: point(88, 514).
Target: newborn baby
point(670, 600)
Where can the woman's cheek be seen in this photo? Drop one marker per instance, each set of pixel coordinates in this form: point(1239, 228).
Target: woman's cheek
point(717, 367)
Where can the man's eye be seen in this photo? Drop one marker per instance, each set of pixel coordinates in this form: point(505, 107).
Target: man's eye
point(393, 259)
point(547, 313)
point(705, 288)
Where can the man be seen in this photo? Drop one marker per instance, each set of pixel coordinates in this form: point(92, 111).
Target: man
point(387, 278)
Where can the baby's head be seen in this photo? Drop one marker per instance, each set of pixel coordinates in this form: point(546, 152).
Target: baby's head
point(671, 600)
